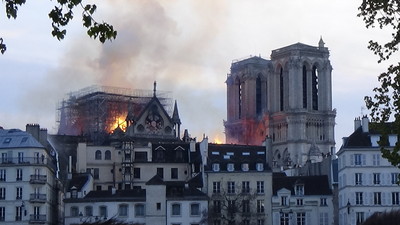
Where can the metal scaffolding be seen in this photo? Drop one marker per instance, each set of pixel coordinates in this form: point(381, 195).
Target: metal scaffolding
point(96, 111)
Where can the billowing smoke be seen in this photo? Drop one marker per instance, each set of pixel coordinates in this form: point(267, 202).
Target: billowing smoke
point(154, 43)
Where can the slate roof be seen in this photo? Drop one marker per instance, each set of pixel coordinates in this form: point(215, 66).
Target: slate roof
point(362, 139)
point(313, 185)
point(107, 196)
point(78, 180)
point(15, 138)
point(170, 152)
point(236, 154)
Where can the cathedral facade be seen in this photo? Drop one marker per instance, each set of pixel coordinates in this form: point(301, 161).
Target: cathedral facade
point(286, 100)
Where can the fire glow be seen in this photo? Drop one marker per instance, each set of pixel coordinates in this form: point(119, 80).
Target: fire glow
point(118, 122)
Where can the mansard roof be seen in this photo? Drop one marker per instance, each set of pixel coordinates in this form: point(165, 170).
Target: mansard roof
point(236, 154)
point(313, 185)
point(171, 155)
point(108, 196)
point(15, 138)
point(363, 139)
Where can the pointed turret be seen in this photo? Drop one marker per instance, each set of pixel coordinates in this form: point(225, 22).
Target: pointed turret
point(176, 120)
point(321, 43)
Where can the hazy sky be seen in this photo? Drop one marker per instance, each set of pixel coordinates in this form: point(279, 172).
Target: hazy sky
point(187, 46)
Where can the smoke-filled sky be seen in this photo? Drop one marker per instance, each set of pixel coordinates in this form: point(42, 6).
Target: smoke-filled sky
point(187, 46)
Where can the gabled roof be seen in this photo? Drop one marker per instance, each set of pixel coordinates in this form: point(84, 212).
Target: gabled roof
point(78, 181)
point(15, 138)
point(156, 180)
point(155, 101)
point(313, 185)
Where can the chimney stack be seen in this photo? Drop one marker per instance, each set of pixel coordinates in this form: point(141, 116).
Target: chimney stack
point(357, 123)
point(365, 123)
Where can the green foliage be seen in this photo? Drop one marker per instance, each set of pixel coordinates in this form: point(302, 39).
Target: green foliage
point(61, 15)
point(385, 104)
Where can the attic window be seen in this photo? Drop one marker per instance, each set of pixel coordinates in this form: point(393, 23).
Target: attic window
point(230, 167)
point(227, 156)
point(260, 166)
point(245, 167)
point(230, 153)
point(260, 153)
point(299, 189)
point(7, 141)
point(215, 167)
point(245, 153)
point(214, 153)
point(24, 139)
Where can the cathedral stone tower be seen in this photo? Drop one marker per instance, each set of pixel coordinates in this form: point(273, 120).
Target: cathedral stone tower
point(287, 99)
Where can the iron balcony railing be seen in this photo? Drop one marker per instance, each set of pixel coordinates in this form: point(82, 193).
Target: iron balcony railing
point(37, 198)
point(37, 219)
point(38, 179)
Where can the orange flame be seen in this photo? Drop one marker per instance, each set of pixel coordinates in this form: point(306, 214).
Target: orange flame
point(119, 122)
point(218, 140)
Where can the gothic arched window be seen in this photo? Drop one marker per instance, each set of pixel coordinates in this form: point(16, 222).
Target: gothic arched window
point(97, 155)
point(258, 96)
point(314, 88)
point(304, 87)
point(107, 155)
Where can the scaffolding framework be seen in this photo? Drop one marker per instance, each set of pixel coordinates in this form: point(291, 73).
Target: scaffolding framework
point(96, 110)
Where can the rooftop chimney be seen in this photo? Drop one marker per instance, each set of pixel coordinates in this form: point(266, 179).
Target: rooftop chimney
point(357, 123)
point(365, 123)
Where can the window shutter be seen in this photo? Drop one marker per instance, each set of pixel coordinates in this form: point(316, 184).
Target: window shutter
point(352, 159)
point(363, 158)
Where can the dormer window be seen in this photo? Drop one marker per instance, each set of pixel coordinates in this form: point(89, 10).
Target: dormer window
point(230, 167)
point(299, 189)
point(215, 167)
point(260, 167)
point(245, 167)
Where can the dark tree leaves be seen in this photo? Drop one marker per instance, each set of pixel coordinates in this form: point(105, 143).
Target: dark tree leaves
point(385, 104)
point(61, 15)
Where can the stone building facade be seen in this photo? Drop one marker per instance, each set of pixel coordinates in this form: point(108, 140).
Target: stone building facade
point(288, 99)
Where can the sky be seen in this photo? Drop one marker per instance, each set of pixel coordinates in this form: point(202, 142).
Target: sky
point(187, 46)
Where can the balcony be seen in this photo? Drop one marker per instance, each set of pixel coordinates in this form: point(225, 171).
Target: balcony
point(37, 219)
point(38, 179)
point(37, 198)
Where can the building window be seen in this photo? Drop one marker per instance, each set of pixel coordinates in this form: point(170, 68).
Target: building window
point(245, 206)
point(246, 222)
point(299, 201)
point(103, 211)
point(358, 178)
point(376, 159)
point(136, 173)
point(123, 210)
point(395, 178)
point(2, 175)
point(139, 210)
point(323, 218)
point(217, 222)
point(2, 193)
point(160, 154)
point(359, 198)
point(174, 173)
point(141, 156)
point(284, 219)
point(260, 206)
point(359, 218)
point(301, 218)
point(158, 205)
point(88, 211)
point(395, 198)
point(18, 193)
point(357, 159)
point(160, 172)
point(283, 200)
point(260, 187)
point(377, 178)
point(260, 167)
point(245, 187)
point(2, 213)
point(377, 198)
point(217, 206)
point(299, 189)
point(245, 167)
point(96, 173)
point(176, 209)
point(260, 222)
point(215, 167)
point(74, 211)
point(97, 155)
point(231, 206)
point(20, 157)
point(195, 209)
point(107, 155)
point(4, 158)
point(216, 187)
point(230, 167)
point(231, 187)
point(323, 202)
point(18, 213)
point(19, 174)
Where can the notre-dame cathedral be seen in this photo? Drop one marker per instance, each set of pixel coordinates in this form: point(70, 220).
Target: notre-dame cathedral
point(286, 100)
